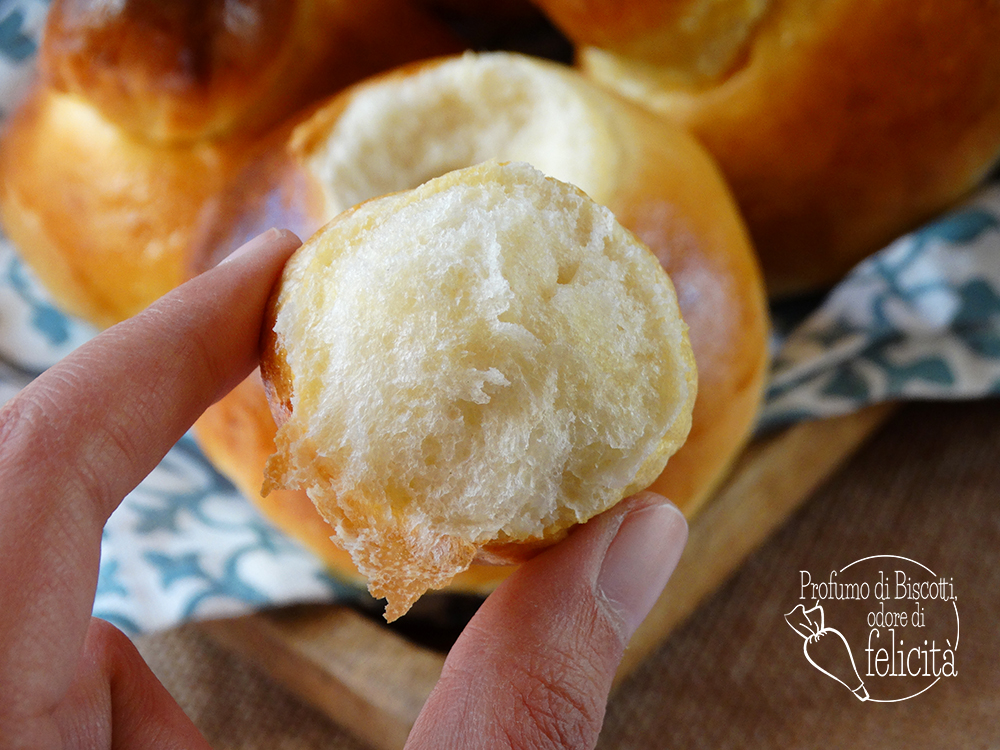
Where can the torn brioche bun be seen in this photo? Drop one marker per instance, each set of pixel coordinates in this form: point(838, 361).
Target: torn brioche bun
point(396, 131)
point(471, 368)
point(145, 111)
point(839, 125)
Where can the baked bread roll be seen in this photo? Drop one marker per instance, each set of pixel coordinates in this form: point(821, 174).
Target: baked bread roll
point(472, 368)
point(145, 110)
point(839, 125)
point(104, 220)
point(400, 129)
point(190, 70)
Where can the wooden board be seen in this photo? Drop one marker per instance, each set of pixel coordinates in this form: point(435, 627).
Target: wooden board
point(372, 681)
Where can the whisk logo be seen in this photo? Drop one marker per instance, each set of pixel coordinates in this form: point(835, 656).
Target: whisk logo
point(886, 627)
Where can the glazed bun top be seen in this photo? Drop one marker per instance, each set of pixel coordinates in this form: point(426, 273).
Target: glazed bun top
point(185, 71)
point(484, 361)
point(169, 71)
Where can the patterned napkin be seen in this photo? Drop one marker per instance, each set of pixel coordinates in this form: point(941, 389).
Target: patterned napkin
point(921, 319)
point(918, 320)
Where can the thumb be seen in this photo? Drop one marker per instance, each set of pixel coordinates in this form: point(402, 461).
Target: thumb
point(534, 666)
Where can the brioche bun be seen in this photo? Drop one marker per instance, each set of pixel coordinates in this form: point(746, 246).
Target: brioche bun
point(395, 131)
point(145, 111)
point(190, 70)
point(476, 364)
point(839, 125)
point(105, 221)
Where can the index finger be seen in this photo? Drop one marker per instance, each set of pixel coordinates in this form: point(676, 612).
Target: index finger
point(86, 432)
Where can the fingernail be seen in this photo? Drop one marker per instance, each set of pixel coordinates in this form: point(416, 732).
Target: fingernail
point(640, 561)
point(257, 243)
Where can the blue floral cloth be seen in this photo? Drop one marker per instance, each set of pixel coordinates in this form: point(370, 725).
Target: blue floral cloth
point(921, 319)
point(918, 320)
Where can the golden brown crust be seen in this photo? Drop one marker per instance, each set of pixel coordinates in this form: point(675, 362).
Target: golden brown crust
point(675, 200)
point(274, 370)
point(845, 124)
point(188, 70)
point(271, 189)
point(168, 71)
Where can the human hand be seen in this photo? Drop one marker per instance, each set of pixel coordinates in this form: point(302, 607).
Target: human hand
point(534, 666)
point(72, 445)
point(533, 669)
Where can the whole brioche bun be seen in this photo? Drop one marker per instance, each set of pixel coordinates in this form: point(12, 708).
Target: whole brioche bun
point(189, 70)
point(105, 221)
point(145, 110)
point(839, 124)
point(473, 366)
point(400, 129)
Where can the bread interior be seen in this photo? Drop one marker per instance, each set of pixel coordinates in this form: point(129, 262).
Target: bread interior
point(398, 133)
point(490, 357)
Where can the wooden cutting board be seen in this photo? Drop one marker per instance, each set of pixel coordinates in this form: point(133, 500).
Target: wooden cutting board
point(373, 681)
